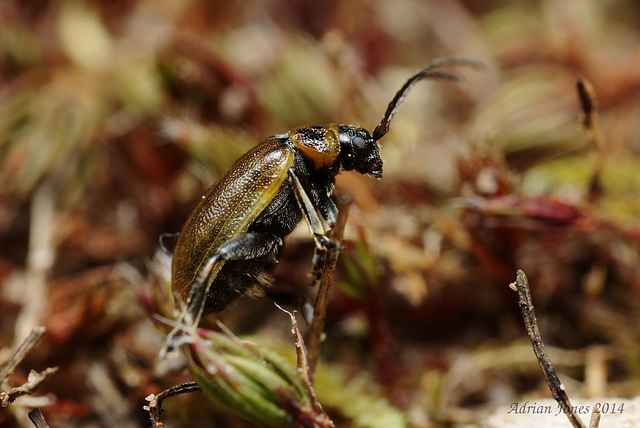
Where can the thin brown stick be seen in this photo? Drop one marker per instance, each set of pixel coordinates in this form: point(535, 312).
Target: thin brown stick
point(319, 417)
point(594, 422)
point(589, 104)
point(324, 290)
point(25, 347)
point(529, 316)
point(37, 418)
point(156, 412)
point(40, 258)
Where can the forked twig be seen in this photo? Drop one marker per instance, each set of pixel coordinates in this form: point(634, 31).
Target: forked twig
point(34, 379)
point(529, 316)
point(156, 412)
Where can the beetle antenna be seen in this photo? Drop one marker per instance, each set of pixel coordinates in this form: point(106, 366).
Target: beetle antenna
point(430, 72)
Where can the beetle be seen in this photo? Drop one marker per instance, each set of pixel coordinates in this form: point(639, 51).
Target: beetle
point(235, 234)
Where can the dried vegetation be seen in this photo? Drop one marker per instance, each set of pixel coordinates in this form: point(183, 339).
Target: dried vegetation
point(116, 115)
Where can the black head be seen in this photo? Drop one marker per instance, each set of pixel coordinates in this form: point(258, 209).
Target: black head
point(359, 151)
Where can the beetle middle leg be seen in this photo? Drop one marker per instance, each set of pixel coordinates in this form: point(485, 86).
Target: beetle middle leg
point(316, 226)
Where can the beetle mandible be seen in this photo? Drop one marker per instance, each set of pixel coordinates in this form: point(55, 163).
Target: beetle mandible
point(234, 235)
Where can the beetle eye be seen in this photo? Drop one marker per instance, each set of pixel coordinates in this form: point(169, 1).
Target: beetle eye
point(359, 142)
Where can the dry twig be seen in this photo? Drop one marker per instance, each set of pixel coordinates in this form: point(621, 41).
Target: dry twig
point(319, 418)
point(589, 104)
point(37, 418)
point(528, 314)
point(27, 345)
point(324, 290)
point(156, 412)
point(34, 380)
point(594, 422)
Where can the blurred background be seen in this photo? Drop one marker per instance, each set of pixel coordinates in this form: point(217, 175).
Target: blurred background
point(115, 117)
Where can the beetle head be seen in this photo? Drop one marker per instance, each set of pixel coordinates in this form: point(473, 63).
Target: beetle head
point(359, 151)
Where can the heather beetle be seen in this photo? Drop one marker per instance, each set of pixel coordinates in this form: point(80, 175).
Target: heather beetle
point(235, 234)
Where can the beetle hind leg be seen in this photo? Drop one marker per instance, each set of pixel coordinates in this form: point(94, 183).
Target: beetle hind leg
point(205, 298)
point(251, 245)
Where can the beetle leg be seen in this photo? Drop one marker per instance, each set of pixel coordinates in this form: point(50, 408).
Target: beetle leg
point(199, 291)
point(195, 306)
point(250, 245)
point(244, 247)
point(310, 213)
point(318, 231)
point(328, 209)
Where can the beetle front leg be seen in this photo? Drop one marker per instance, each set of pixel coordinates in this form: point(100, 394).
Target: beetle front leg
point(316, 226)
point(309, 211)
point(328, 209)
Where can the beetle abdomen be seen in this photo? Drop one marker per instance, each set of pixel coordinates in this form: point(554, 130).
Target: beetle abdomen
point(227, 210)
